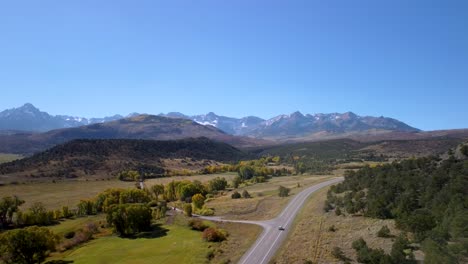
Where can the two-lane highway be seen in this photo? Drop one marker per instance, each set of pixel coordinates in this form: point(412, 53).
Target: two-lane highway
point(272, 237)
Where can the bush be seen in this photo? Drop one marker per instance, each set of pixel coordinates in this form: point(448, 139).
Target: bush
point(338, 253)
point(197, 224)
point(198, 200)
point(212, 234)
point(81, 236)
point(69, 235)
point(235, 195)
point(332, 228)
point(246, 194)
point(283, 191)
point(384, 232)
point(205, 211)
point(338, 211)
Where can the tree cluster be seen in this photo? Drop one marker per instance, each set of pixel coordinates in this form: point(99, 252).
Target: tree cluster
point(426, 196)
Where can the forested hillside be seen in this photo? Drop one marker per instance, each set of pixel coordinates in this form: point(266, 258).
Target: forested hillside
point(427, 197)
point(86, 157)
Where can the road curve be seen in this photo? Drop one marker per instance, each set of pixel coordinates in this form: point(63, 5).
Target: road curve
point(272, 238)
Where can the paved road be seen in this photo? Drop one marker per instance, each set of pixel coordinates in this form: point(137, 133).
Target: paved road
point(272, 238)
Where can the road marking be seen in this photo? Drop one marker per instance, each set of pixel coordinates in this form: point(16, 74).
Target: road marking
point(264, 234)
point(268, 252)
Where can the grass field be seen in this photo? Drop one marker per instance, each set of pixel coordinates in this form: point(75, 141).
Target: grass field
point(69, 193)
point(265, 202)
point(8, 157)
point(62, 193)
point(179, 245)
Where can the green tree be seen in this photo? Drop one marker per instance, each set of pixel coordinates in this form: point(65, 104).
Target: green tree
point(398, 251)
point(246, 172)
point(198, 200)
point(134, 196)
point(129, 219)
point(8, 206)
point(157, 190)
point(436, 253)
point(283, 191)
point(217, 184)
point(27, 246)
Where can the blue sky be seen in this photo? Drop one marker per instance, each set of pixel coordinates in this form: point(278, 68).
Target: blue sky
point(403, 59)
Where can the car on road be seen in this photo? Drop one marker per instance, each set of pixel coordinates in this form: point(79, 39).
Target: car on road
point(281, 228)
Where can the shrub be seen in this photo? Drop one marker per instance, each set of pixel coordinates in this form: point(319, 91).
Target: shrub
point(197, 224)
point(338, 211)
point(332, 228)
point(205, 211)
point(69, 235)
point(212, 234)
point(384, 232)
point(246, 194)
point(235, 195)
point(283, 191)
point(198, 200)
point(338, 253)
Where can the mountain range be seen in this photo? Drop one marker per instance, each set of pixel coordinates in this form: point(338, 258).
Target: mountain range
point(29, 118)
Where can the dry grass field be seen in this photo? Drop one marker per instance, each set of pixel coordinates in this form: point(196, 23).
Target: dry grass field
point(68, 193)
point(265, 203)
point(312, 240)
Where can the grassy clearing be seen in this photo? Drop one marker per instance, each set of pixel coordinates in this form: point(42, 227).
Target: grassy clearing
point(311, 239)
point(179, 245)
point(8, 157)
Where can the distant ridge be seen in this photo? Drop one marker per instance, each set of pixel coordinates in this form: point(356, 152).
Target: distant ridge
point(138, 127)
point(29, 118)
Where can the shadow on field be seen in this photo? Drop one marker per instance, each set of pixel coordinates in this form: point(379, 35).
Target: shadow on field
point(157, 231)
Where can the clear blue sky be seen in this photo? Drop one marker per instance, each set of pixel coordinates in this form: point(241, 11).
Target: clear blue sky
point(402, 59)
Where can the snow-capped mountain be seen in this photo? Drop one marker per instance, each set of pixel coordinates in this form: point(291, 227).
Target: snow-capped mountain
point(297, 124)
point(29, 118)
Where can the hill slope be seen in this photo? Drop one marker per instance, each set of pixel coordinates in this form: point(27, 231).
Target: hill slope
point(138, 127)
point(102, 158)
